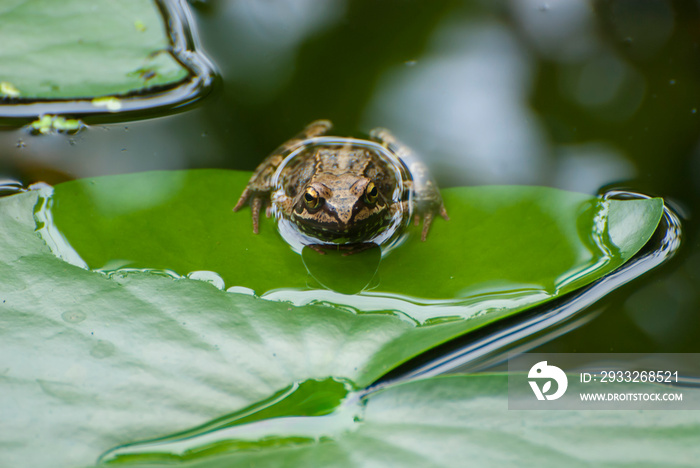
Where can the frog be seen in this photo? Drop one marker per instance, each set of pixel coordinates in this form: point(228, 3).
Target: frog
point(343, 191)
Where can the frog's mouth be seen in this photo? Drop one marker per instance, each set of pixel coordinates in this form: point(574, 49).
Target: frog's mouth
point(342, 233)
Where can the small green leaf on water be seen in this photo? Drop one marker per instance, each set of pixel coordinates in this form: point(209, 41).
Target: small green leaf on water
point(47, 124)
point(8, 89)
point(111, 103)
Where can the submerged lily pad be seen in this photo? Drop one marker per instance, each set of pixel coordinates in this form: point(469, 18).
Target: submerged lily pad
point(96, 360)
point(84, 49)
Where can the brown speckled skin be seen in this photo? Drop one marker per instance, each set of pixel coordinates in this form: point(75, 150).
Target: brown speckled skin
point(341, 178)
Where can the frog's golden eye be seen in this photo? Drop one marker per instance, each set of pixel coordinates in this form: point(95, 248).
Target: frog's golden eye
point(311, 198)
point(371, 193)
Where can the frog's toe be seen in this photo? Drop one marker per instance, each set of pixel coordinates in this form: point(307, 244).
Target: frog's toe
point(427, 221)
point(443, 213)
point(255, 208)
point(244, 198)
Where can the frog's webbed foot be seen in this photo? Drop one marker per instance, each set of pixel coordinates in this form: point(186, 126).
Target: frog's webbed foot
point(428, 218)
point(257, 200)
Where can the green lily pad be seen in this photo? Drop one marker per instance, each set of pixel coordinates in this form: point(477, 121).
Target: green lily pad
point(94, 360)
point(437, 422)
point(83, 49)
point(505, 248)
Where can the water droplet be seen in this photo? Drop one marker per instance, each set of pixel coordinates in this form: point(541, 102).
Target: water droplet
point(21, 143)
point(693, 110)
point(410, 63)
point(672, 82)
point(210, 277)
point(241, 290)
point(73, 317)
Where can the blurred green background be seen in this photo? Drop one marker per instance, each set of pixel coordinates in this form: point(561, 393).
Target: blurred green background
point(573, 94)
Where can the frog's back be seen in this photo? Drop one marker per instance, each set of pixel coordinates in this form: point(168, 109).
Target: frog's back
point(343, 162)
point(298, 172)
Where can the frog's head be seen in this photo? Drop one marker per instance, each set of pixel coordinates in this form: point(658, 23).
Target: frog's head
point(341, 208)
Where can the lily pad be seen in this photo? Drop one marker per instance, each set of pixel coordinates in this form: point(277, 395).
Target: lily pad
point(84, 49)
point(506, 248)
point(436, 422)
point(93, 360)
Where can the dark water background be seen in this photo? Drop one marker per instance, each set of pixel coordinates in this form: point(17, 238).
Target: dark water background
point(571, 94)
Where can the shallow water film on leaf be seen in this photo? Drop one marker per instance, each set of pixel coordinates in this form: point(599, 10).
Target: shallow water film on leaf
point(506, 248)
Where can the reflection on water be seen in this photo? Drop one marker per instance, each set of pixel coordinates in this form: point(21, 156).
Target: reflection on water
point(342, 273)
point(272, 31)
point(585, 168)
point(473, 84)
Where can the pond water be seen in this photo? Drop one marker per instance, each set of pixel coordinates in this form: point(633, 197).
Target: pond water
point(582, 96)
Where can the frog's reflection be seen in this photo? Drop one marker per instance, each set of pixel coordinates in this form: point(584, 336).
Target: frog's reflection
point(340, 272)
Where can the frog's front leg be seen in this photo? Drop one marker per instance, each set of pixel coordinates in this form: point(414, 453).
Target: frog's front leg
point(260, 186)
point(426, 195)
point(284, 203)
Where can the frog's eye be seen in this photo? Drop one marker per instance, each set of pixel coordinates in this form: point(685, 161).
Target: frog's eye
point(311, 198)
point(371, 193)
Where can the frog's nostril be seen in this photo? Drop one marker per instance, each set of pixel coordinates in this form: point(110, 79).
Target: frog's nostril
point(344, 216)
